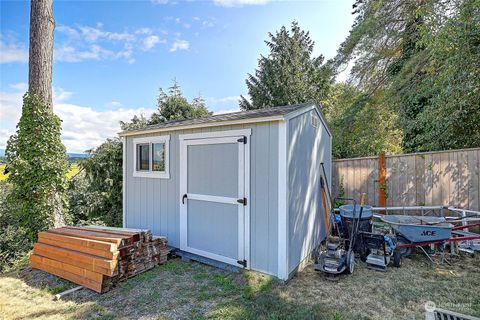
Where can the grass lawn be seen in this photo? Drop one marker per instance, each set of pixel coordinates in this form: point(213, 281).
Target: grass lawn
point(71, 173)
point(189, 290)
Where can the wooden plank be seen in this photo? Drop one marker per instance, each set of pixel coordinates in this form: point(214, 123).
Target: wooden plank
point(445, 178)
point(94, 276)
point(88, 235)
point(429, 179)
point(464, 176)
point(391, 180)
point(89, 243)
point(474, 180)
point(420, 180)
point(87, 283)
point(84, 249)
point(437, 173)
point(93, 263)
point(114, 230)
point(411, 181)
point(401, 197)
point(125, 235)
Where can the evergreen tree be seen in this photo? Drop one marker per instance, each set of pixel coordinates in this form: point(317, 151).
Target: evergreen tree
point(171, 105)
point(289, 74)
point(174, 106)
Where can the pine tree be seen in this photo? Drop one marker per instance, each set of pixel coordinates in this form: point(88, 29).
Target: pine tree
point(289, 74)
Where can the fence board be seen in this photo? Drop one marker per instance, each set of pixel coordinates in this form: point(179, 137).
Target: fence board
point(431, 178)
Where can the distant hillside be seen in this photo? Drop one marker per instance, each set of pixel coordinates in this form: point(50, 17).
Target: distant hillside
point(70, 155)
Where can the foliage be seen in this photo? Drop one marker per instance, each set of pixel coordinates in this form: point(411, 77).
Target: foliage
point(170, 106)
point(341, 194)
point(38, 166)
point(421, 61)
point(289, 74)
point(96, 192)
point(360, 125)
point(137, 122)
point(174, 106)
point(14, 243)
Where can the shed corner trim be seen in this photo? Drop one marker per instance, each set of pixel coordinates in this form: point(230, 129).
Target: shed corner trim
point(282, 202)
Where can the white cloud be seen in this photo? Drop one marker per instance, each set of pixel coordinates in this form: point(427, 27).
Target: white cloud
point(93, 34)
point(13, 52)
point(113, 105)
point(69, 31)
point(144, 31)
point(82, 127)
point(150, 42)
point(223, 105)
point(163, 2)
point(208, 23)
point(223, 111)
point(60, 95)
point(22, 86)
point(70, 54)
point(179, 45)
point(238, 3)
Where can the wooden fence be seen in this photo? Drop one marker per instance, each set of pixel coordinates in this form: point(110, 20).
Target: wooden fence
point(431, 178)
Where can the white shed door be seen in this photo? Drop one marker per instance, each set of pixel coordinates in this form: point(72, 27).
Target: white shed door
point(212, 190)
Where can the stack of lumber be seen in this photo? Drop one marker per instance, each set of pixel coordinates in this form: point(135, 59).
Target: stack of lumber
point(97, 257)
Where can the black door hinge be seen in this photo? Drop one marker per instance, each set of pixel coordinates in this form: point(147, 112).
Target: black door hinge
point(243, 140)
point(242, 262)
point(242, 201)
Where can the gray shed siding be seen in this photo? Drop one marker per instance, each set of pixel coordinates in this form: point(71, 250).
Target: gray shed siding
point(307, 147)
point(154, 203)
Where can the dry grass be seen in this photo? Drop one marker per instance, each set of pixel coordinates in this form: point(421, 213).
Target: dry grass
point(184, 290)
point(74, 169)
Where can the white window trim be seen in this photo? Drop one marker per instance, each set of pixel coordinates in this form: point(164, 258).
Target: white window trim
point(152, 174)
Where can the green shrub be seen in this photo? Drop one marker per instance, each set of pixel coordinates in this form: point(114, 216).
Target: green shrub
point(96, 192)
point(14, 243)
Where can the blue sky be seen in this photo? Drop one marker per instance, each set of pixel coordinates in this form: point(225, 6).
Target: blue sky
point(112, 56)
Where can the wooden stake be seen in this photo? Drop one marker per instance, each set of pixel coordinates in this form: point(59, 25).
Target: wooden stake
point(324, 201)
point(382, 181)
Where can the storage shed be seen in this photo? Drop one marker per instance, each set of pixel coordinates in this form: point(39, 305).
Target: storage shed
point(241, 188)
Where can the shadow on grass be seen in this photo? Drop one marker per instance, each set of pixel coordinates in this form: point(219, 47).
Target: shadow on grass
point(176, 290)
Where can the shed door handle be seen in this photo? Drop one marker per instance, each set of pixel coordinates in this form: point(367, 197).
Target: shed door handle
point(183, 198)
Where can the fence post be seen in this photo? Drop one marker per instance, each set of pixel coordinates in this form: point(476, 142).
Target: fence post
point(382, 181)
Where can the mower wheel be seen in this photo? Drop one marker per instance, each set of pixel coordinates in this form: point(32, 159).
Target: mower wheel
point(397, 258)
point(350, 262)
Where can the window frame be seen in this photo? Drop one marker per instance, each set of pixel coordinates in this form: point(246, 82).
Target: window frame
point(150, 173)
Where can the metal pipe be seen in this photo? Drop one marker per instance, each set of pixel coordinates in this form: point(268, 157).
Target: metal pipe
point(403, 208)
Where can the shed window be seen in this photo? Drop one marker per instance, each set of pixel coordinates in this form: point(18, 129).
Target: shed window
point(143, 160)
point(151, 157)
point(158, 156)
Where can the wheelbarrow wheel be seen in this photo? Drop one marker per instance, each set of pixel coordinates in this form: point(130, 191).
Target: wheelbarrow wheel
point(405, 251)
point(350, 261)
point(397, 259)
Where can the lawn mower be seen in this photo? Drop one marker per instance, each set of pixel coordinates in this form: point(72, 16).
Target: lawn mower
point(338, 255)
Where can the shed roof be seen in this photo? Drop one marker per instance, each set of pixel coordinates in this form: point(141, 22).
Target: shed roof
point(269, 114)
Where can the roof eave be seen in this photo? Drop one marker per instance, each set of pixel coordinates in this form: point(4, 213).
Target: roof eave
point(202, 125)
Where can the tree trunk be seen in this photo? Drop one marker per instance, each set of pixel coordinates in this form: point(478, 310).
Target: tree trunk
point(40, 61)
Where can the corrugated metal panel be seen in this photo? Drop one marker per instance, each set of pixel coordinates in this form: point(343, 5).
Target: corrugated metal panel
point(308, 146)
point(154, 203)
